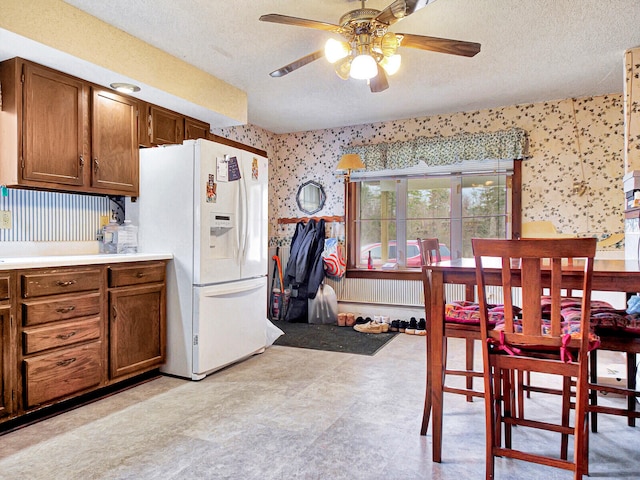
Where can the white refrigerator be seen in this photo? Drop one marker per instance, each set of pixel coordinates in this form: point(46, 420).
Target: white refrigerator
point(207, 204)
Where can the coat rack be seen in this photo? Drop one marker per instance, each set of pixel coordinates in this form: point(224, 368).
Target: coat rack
point(334, 218)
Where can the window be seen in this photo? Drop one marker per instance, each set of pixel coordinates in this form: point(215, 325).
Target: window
point(395, 210)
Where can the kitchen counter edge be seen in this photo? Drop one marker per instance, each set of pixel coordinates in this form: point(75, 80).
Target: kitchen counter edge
point(15, 263)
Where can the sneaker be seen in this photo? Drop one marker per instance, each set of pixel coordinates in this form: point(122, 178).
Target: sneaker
point(403, 326)
point(369, 327)
point(422, 327)
point(362, 321)
point(384, 327)
point(395, 325)
point(411, 328)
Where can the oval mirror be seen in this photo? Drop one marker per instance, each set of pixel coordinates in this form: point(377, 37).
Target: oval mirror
point(310, 197)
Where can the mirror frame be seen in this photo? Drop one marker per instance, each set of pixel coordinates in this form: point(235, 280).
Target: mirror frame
point(321, 201)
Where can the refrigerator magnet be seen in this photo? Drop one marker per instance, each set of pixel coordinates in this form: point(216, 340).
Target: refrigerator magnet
point(222, 168)
point(234, 169)
point(211, 190)
point(254, 168)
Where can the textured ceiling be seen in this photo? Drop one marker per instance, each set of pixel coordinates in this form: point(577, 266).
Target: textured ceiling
point(532, 51)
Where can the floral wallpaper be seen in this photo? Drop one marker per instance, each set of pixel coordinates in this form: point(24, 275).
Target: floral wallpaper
point(572, 178)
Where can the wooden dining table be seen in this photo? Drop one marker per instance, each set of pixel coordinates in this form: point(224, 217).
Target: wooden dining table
point(608, 275)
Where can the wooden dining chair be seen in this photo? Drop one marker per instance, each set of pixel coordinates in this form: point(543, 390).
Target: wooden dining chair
point(527, 342)
point(470, 332)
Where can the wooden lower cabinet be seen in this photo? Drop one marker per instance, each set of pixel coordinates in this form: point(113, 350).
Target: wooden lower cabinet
point(68, 331)
point(137, 335)
point(6, 383)
point(64, 372)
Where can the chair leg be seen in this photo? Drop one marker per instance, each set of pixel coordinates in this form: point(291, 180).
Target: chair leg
point(581, 429)
point(426, 414)
point(490, 421)
point(593, 394)
point(520, 393)
point(469, 365)
point(508, 397)
point(631, 385)
point(566, 408)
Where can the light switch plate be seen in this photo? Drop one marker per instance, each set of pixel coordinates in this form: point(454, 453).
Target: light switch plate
point(5, 218)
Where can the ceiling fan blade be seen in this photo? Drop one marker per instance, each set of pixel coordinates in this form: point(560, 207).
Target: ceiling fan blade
point(379, 83)
point(442, 45)
point(301, 62)
point(300, 22)
point(400, 9)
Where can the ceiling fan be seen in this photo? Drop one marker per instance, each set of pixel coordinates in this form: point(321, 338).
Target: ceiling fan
point(370, 51)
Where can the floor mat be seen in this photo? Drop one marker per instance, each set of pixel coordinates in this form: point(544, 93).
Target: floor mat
point(331, 338)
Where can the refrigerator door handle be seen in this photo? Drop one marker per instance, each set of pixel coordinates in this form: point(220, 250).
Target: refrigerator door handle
point(231, 288)
point(245, 219)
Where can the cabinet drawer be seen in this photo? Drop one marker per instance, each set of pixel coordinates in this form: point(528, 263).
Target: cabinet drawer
point(137, 274)
point(36, 312)
point(44, 338)
point(56, 375)
point(5, 293)
point(67, 281)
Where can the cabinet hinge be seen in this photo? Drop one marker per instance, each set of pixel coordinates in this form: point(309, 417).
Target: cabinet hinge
point(21, 162)
point(13, 395)
point(11, 320)
point(195, 340)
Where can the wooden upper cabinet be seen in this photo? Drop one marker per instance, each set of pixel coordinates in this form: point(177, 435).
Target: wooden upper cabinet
point(114, 133)
point(55, 137)
point(194, 129)
point(53, 126)
point(165, 126)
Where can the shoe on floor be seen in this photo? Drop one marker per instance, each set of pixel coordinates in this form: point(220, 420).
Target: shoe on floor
point(395, 325)
point(411, 328)
point(403, 326)
point(369, 327)
point(422, 327)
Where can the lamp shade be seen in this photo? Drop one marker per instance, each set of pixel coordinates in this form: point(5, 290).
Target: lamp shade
point(363, 67)
point(350, 161)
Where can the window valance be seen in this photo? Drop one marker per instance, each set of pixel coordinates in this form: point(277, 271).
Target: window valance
point(509, 144)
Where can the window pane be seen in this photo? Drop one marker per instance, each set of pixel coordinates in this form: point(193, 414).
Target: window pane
point(377, 221)
point(482, 227)
point(483, 195)
point(428, 212)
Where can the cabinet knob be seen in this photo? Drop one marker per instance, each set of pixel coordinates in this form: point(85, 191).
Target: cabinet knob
point(64, 363)
point(96, 164)
point(60, 283)
point(139, 274)
point(65, 336)
point(81, 161)
point(115, 312)
point(68, 309)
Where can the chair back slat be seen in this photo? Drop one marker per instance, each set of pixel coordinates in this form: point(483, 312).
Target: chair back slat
point(531, 292)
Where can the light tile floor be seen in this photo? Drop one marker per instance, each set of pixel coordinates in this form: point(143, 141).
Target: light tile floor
point(289, 414)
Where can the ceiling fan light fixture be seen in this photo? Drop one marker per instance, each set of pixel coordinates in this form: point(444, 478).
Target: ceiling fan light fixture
point(391, 64)
point(335, 50)
point(364, 67)
point(389, 44)
point(343, 68)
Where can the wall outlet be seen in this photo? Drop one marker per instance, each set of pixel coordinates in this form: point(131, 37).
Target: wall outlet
point(5, 218)
point(104, 220)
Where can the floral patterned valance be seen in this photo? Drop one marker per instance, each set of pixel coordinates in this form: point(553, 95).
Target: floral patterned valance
point(509, 144)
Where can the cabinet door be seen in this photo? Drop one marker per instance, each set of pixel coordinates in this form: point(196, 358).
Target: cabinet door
point(194, 129)
point(137, 332)
point(166, 126)
point(55, 134)
point(6, 401)
point(114, 132)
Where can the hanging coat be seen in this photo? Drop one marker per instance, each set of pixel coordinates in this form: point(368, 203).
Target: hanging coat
point(304, 272)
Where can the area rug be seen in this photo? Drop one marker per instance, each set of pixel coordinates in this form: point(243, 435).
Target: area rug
point(331, 338)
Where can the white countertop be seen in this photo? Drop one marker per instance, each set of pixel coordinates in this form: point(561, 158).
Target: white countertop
point(14, 263)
